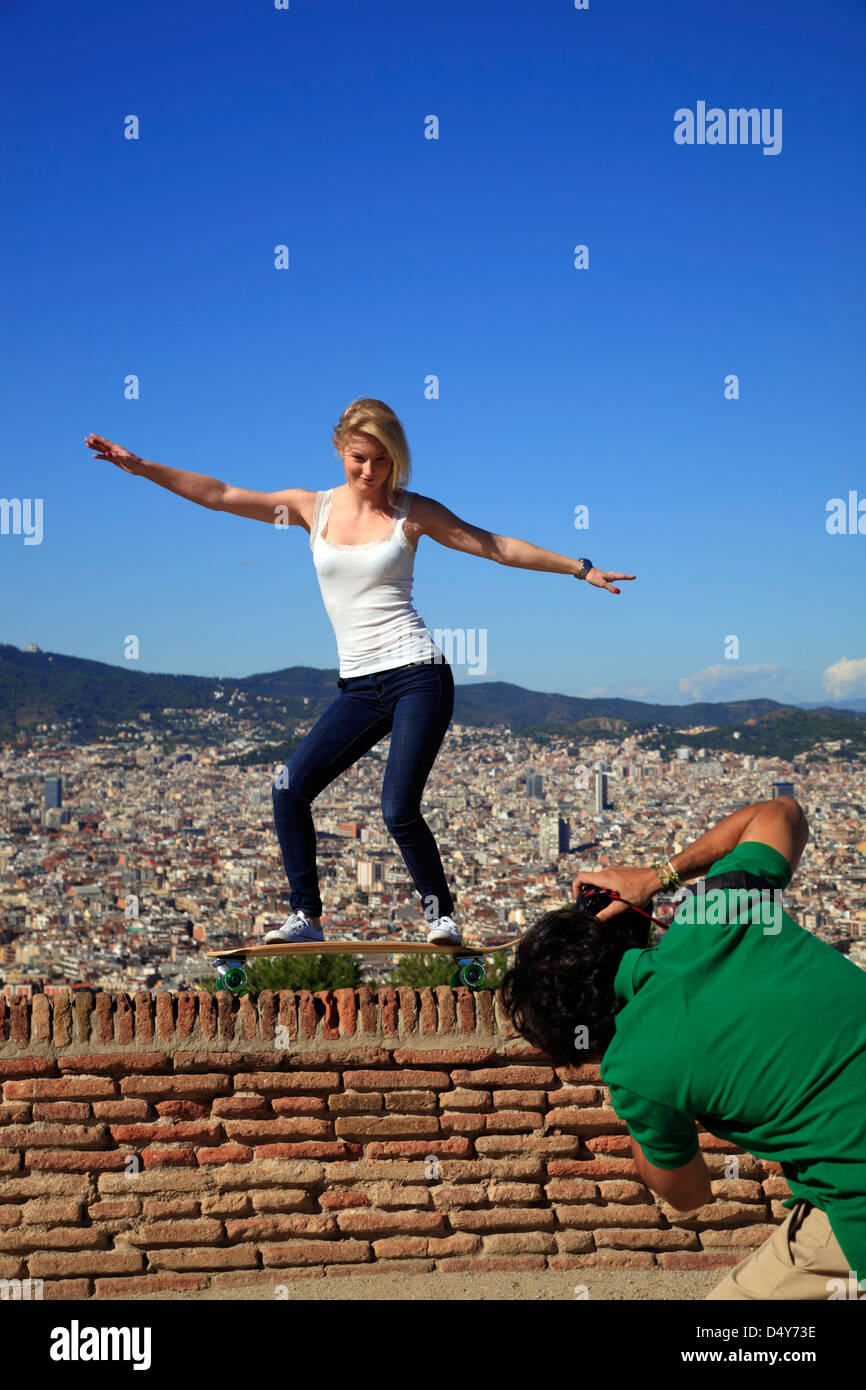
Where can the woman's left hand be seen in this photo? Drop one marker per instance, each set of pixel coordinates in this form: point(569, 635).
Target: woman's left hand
point(601, 578)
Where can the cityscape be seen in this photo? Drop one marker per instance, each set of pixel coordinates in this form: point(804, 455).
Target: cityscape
point(122, 863)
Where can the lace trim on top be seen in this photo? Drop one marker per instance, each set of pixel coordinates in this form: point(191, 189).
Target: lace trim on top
point(323, 511)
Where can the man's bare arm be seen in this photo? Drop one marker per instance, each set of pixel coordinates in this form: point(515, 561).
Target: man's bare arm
point(686, 1188)
point(779, 823)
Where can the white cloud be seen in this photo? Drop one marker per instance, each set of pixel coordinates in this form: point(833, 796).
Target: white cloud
point(845, 678)
point(730, 680)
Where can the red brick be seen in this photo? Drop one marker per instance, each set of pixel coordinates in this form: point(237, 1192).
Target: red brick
point(591, 1218)
point(507, 1121)
point(41, 1211)
point(27, 1066)
point(30, 1238)
point(592, 1168)
point(571, 1190)
point(61, 1110)
point(411, 1102)
point(121, 1110)
point(148, 1285)
point(606, 1259)
point(698, 1259)
point(461, 1098)
point(447, 1198)
point(307, 1149)
point(265, 1228)
point(155, 1210)
point(224, 1153)
point(307, 1252)
point(255, 1131)
point(481, 1264)
point(82, 1162)
point(193, 1131)
point(510, 1219)
point(91, 1262)
point(60, 1088)
point(65, 1290)
point(519, 1243)
point(396, 1080)
point(406, 1148)
point(289, 1081)
point(277, 1200)
point(299, 1105)
point(622, 1192)
point(519, 1100)
point(239, 1107)
point(646, 1240)
point(514, 1193)
point(355, 1102)
point(66, 1136)
point(181, 1109)
point(750, 1237)
point(168, 1157)
point(384, 1126)
point(16, 1112)
point(527, 1143)
point(231, 1257)
point(331, 1201)
point(573, 1072)
point(462, 1244)
point(369, 1222)
point(114, 1211)
point(572, 1096)
point(123, 1062)
point(189, 1233)
point(574, 1242)
point(176, 1087)
point(399, 1247)
point(717, 1214)
point(494, 1077)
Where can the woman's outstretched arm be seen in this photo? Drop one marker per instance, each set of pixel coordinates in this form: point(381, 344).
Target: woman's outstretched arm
point(291, 507)
point(442, 525)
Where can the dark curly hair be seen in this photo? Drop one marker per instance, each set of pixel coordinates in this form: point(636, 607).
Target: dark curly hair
point(562, 977)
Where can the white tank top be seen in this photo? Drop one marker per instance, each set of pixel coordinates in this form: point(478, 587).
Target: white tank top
point(367, 592)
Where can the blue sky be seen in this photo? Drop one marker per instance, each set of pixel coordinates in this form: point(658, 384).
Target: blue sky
point(558, 387)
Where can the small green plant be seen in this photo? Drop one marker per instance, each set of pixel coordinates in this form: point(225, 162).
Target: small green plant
point(299, 972)
point(426, 972)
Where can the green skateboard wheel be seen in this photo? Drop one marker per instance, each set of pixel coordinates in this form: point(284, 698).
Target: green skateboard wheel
point(233, 976)
point(472, 973)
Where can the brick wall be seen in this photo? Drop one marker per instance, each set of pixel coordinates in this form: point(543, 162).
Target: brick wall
point(183, 1142)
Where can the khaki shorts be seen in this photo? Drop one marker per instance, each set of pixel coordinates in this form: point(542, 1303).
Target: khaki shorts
point(796, 1262)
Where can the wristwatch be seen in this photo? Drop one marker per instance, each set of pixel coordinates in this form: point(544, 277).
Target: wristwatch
point(584, 567)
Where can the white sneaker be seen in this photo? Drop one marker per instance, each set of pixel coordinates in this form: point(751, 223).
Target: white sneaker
point(297, 927)
point(446, 931)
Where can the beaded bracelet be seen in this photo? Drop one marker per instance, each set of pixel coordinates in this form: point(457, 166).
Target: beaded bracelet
point(666, 873)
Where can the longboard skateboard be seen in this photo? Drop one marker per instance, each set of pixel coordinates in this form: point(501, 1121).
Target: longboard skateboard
point(468, 956)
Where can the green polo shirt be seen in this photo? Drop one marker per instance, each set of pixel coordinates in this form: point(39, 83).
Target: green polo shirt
point(744, 1021)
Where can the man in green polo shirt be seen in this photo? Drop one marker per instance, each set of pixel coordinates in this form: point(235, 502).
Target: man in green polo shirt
point(739, 1019)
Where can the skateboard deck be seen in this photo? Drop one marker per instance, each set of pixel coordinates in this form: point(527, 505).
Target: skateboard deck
point(468, 956)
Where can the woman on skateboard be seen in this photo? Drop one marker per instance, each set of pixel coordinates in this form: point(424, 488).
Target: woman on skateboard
point(393, 678)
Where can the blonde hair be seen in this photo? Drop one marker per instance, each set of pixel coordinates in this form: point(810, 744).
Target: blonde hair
point(367, 416)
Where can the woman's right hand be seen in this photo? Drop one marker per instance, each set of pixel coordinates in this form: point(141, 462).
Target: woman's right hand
point(114, 453)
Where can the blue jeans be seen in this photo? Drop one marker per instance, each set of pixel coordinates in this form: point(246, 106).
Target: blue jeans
point(414, 704)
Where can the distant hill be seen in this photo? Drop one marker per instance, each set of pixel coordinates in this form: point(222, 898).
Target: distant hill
point(96, 699)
